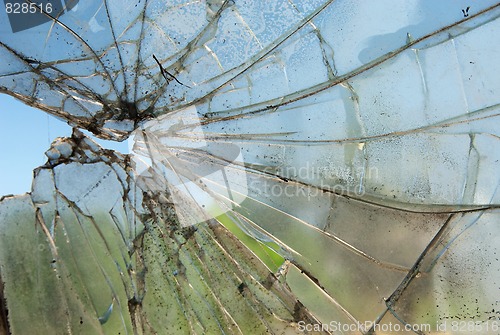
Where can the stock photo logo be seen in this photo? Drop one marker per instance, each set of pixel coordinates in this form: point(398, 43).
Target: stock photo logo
point(203, 179)
point(24, 14)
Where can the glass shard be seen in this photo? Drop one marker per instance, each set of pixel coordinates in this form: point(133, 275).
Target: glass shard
point(107, 256)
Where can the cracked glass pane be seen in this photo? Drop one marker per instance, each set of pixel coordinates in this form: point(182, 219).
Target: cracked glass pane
point(296, 167)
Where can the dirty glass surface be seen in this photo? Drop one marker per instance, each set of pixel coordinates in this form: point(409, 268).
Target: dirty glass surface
point(296, 167)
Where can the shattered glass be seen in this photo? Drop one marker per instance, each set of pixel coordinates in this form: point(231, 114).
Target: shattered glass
point(295, 167)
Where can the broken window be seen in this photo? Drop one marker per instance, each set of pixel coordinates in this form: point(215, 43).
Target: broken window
point(295, 166)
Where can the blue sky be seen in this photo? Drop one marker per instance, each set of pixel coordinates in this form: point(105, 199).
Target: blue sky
point(25, 135)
